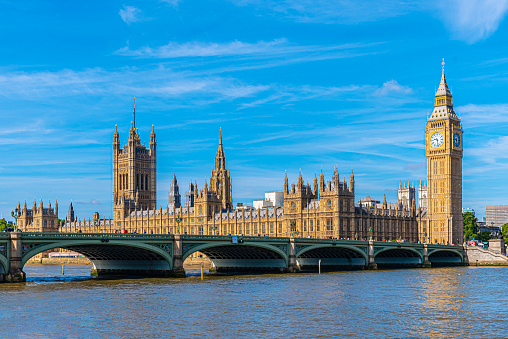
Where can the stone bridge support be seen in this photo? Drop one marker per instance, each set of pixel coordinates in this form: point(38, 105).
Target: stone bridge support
point(15, 271)
point(426, 262)
point(178, 270)
point(292, 266)
point(371, 265)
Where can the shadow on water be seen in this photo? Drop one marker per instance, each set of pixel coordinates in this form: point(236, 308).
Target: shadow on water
point(73, 273)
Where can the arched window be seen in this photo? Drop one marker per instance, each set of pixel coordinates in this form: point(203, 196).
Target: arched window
point(329, 203)
point(293, 206)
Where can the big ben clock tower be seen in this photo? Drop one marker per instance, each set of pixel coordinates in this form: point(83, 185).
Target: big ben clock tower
point(444, 170)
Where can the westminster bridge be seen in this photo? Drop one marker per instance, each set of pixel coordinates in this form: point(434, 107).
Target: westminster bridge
point(161, 255)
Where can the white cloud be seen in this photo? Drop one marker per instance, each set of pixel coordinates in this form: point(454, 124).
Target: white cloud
point(173, 3)
point(475, 115)
point(492, 152)
point(130, 14)
point(262, 49)
point(472, 20)
point(393, 87)
point(467, 20)
point(339, 11)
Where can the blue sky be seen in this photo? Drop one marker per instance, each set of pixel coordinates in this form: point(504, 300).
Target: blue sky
point(294, 84)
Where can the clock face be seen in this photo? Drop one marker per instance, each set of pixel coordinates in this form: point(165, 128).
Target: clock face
point(456, 140)
point(436, 139)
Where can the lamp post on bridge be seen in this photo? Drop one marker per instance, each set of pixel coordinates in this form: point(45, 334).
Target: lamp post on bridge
point(425, 237)
point(16, 214)
point(293, 228)
point(178, 221)
point(97, 224)
point(213, 229)
point(370, 233)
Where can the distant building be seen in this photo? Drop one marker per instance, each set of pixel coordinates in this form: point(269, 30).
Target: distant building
point(406, 194)
point(497, 215)
point(368, 202)
point(272, 199)
point(277, 198)
point(259, 204)
point(174, 199)
point(422, 196)
point(470, 210)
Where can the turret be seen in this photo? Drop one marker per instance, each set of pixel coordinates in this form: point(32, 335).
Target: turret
point(352, 182)
point(315, 185)
point(300, 183)
point(116, 139)
point(153, 142)
point(286, 185)
point(321, 181)
point(41, 207)
point(56, 207)
point(384, 202)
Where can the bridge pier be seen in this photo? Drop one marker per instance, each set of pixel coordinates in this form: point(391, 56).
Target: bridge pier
point(292, 266)
point(371, 265)
point(15, 272)
point(426, 262)
point(178, 270)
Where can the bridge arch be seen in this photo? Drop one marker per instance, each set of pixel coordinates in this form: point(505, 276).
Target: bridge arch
point(338, 255)
point(398, 256)
point(245, 256)
point(4, 264)
point(445, 257)
point(114, 257)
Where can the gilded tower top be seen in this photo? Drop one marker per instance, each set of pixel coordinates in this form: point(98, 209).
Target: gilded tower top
point(443, 106)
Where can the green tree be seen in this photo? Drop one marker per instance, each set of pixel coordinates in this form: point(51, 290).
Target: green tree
point(3, 224)
point(504, 230)
point(470, 226)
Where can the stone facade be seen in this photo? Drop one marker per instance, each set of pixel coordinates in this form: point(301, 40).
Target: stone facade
point(39, 219)
point(326, 210)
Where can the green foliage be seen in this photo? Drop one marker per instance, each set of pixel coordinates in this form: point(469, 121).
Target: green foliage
point(3, 224)
point(470, 226)
point(504, 230)
point(483, 237)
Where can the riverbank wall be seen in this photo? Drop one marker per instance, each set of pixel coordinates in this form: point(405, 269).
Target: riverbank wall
point(477, 256)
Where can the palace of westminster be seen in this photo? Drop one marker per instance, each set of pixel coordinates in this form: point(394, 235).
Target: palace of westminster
point(325, 209)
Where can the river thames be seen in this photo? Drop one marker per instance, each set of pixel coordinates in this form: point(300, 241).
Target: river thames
point(455, 302)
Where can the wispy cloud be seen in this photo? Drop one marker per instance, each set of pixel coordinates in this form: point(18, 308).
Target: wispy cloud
point(467, 20)
point(262, 49)
point(472, 20)
point(393, 87)
point(152, 82)
point(339, 11)
point(130, 14)
point(487, 114)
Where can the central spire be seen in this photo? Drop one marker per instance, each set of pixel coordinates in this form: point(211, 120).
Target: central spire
point(443, 86)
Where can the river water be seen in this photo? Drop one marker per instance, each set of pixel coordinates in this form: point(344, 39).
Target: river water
point(459, 302)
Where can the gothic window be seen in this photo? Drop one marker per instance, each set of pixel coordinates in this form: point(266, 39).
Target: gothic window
point(264, 228)
point(200, 209)
point(146, 182)
point(312, 225)
point(317, 225)
point(305, 225)
point(329, 203)
point(45, 223)
point(329, 224)
point(293, 206)
point(280, 227)
point(271, 228)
